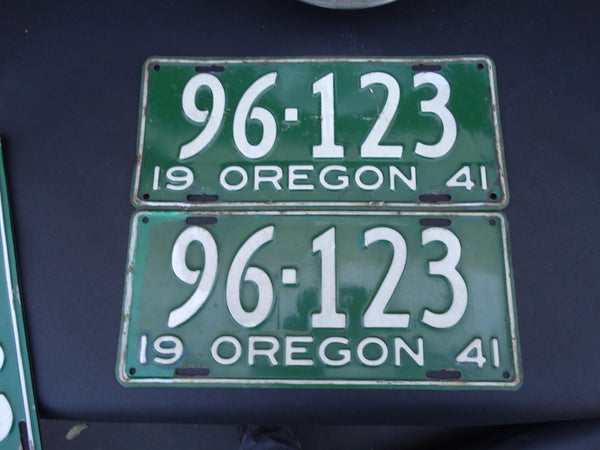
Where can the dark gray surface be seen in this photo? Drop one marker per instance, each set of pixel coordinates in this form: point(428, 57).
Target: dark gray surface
point(59, 435)
point(69, 92)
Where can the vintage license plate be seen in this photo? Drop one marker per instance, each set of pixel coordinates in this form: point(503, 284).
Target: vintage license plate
point(18, 417)
point(395, 133)
point(308, 298)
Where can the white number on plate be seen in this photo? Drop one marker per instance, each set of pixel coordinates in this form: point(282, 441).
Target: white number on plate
point(437, 105)
point(267, 120)
point(190, 109)
point(371, 148)
point(375, 317)
point(258, 276)
point(189, 276)
point(446, 267)
point(324, 87)
point(328, 316)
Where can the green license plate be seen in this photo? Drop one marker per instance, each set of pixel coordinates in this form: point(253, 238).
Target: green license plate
point(394, 133)
point(18, 418)
point(336, 299)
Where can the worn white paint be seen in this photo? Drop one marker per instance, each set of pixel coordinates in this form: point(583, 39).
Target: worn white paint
point(250, 319)
point(344, 353)
point(374, 316)
point(178, 263)
point(437, 105)
point(197, 115)
point(327, 148)
point(371, 147)
point(328, 316)
point(360, 350)
point(291, 114)
point(289, 276)
point(169, 353)
point(446, 267)
point(254, 151)
point(256, 348)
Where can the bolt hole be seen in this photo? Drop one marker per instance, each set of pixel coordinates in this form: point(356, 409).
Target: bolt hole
point(156, 67)
point(213, 68)
point(434, 198)
point(492, 222)
point(427, 67)
point(132, 371)
point(506, 374)
point(146, 196)
point(479, 66)
point(145, 220)
point(493, 196)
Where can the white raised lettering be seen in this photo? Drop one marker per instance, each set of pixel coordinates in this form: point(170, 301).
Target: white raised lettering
point(273, 175)
point(269, 352)
point(342, 180)
point(233, 187)
point(372, 341)
point(294, 175)
point(226, 361)
point(180, 178)
point(344, 353)
point(417, 356)
point(173, 350)
point(411, 182)
point(368, 187)
point(292, 349)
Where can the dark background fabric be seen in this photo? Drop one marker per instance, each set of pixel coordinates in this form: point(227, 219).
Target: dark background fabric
point(69, 95)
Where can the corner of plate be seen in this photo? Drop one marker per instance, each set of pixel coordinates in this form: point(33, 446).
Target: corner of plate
point(150, 61)
point(489, 62)
point(122, 377)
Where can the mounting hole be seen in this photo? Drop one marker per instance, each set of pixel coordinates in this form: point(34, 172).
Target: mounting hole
point(145, 220)
point(479, 66)
point(492, 222)
point(427, 67)
point(132, 371)
point(213, 68)
point(506, 374)
point(146, 196)
point(494, 196)
point(156, 67)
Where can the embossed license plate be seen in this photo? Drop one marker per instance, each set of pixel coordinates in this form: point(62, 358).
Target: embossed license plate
point(391, 133)
point(307, 298)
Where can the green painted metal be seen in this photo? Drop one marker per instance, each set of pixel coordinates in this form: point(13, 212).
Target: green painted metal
point(18, 416)
point(148, 353)
point(473, 104)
